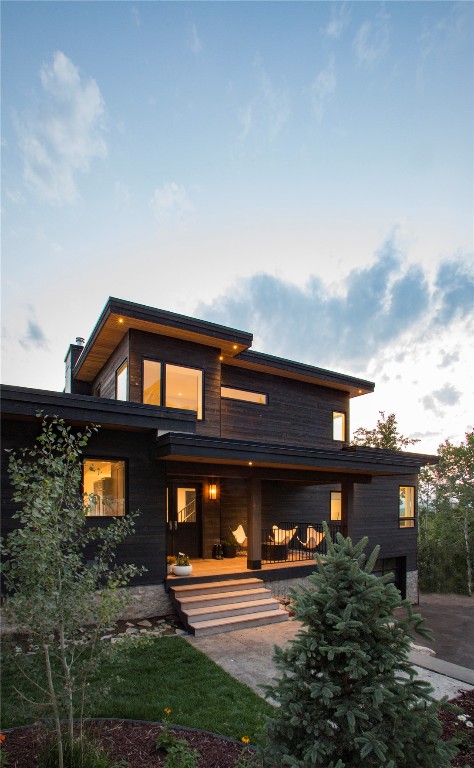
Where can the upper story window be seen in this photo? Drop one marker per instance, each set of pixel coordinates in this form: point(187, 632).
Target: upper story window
point(245, 394)
point(104, 487)
point(183, 388)
point(151, 382)
point(406, 507)
point(121, 382)
point(338, 425)
point(336, 506)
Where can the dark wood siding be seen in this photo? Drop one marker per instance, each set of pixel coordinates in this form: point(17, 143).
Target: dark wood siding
point(104, 384)
point(146, 490)
point(162, 348)
point(297, 413)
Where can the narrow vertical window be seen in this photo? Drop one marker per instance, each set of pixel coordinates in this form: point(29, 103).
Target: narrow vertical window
point(406, 507)
point(151, 382)
point(336, 506)
point(121, 382)
point(338, 425)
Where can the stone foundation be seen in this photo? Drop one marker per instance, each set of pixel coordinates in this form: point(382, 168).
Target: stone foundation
point(146, 601)
point(412, 586)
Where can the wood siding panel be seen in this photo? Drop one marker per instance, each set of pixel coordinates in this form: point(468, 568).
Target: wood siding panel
point(166, 350)
point(298, 413)
point(104, 383)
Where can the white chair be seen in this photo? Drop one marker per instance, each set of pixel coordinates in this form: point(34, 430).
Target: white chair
point(241, 538)
point(313, 538)
point(283, 535)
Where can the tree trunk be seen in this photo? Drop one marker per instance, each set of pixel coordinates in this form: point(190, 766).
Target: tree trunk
point(54, 704)
point(468, 553)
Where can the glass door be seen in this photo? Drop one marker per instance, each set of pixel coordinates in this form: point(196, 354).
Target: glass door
point(184, 519)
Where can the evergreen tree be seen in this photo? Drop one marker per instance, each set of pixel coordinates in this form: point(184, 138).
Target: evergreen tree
point(347, 693)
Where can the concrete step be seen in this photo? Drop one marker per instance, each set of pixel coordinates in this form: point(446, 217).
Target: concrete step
point(219, 598)
point(246, 621)
point(231, 609)
point(205, 588)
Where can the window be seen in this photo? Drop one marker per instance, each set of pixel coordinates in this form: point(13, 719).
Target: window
point(121, 382)
point(183, 388)
point(104, 487)
point(244, 394)
point(336, 506)
point(338, 425)
point(406, 508)
point(151, 382)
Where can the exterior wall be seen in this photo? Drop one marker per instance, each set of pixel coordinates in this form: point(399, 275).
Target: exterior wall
point(145, 491)
point(165, 349)
point(297, 413)
point(375, 515)
point(104, 384)
point(287, 502)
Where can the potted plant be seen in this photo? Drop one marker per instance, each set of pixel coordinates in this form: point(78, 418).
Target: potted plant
point(170, 561)
point(182, 566)
point(229, 546)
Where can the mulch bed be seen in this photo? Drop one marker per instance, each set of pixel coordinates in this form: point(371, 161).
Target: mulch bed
point(135, 742)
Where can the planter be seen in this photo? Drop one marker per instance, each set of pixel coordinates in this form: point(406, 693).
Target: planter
point(229, 550)
point(182, 570)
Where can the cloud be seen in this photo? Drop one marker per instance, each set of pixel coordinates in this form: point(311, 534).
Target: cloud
point(170, 200)
point(64, 133)
point(447, 395)
point(454, 290)
point(374, 307)
point(136, 16)
point(321, 90)
point(371, 41)
point(448, 359)
point(266, 113)
point(34, 336)
point(195, 42)
point(340, 17)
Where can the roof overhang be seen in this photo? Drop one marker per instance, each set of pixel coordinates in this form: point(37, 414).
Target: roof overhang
point(119, 316)
point(175, 447)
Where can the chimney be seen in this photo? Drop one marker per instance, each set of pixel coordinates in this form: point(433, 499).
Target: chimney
point(73, 354)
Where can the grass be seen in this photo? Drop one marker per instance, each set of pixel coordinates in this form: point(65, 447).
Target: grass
point(142, 679)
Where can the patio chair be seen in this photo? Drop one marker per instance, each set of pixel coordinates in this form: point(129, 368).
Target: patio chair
point(241, 539)
point(313, 538)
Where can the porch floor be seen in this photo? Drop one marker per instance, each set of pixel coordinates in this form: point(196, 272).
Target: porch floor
point(237, 565)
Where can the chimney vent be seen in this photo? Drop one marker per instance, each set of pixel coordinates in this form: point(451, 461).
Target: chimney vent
point(80, 341)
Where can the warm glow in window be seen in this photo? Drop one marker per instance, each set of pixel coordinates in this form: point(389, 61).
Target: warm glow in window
point(338, 426)
point(336, 505)
point(184, 388)
point(406, 508)
point(244, 394)
point(186, 500)
point(151, 382)
point(121, 382)
point(104, 487)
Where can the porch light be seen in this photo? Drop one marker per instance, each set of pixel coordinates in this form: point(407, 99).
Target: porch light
point(212, 491)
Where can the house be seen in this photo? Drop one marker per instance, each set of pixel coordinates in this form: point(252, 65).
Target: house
point(205, 436)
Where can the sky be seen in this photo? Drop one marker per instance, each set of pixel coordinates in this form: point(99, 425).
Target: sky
point(299, 170)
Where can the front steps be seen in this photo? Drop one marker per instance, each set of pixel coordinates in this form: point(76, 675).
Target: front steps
point(207, 608)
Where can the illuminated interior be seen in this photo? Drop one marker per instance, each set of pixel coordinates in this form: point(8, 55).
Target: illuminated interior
point(406, 509)
point(245, 395)
point(151, 382)
point(336, 505)
point(184, 388)
point(104, 487)
point(338, 425)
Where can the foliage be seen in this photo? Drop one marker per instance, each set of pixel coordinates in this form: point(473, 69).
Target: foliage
point(182, 559)
point(180, 755)
point(61, 599)
point(348, 695)
point(384, 435)
point(170, 559)
point(85, 753)
point(446, 520)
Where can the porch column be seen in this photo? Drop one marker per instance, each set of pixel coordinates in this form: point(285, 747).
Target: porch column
point(254, 523)
point(347, 506)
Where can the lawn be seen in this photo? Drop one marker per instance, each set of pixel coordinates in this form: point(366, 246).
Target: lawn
point(138, 681)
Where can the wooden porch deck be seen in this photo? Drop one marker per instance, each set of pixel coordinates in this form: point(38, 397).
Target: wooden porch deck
point(236, 567)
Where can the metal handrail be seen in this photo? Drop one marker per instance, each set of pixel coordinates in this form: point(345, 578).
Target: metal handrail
point(191, 504)
point(302, 544)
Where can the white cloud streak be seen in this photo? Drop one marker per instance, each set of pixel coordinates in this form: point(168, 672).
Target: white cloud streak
point(371, 42)
point(64, 134)
point(169, 200)
point(322, 89)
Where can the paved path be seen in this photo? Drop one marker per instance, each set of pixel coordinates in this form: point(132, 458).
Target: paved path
point(248, 656)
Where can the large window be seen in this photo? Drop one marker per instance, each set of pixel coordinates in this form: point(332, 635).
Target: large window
point(406, 507)
point(121, 382)
point(183, 388)
point(336, 501)
point(104, 487)
point(151, 382)
point(244, 394)
point(338, 425)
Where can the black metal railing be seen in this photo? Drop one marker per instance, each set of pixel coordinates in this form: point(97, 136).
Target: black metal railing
point(291, 542)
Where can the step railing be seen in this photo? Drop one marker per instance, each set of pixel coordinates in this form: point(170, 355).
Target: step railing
point(292, 542)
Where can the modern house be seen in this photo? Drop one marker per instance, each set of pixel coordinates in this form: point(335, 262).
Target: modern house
point(205, 436)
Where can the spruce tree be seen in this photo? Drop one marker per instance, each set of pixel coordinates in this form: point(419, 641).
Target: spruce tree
point(347, 694)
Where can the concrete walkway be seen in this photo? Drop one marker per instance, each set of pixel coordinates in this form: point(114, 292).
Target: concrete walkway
point(248, 656)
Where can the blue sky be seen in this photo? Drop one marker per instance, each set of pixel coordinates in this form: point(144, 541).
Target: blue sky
point(300, 170)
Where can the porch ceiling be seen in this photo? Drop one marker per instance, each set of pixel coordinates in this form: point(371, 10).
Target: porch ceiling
point(352, 461)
